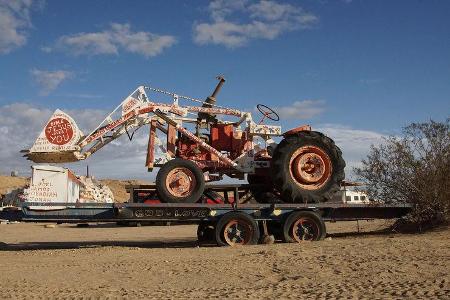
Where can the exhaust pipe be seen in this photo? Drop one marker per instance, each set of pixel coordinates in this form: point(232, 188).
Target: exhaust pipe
point(205, 118)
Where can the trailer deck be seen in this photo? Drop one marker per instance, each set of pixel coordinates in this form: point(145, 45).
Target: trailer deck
point(193, 212)
point(225, 219)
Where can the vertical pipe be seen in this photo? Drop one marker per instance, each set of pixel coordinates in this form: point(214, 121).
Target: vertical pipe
point(151, 146)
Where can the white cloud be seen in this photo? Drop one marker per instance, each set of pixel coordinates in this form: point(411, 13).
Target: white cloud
point(19, 126)
point(49, 80)
point(119, 37)
point(81, 96)
point(305, 109)
point(354, 143)
point(219, 9)
point(88, 43)
point(14, 22)
point(264, 20)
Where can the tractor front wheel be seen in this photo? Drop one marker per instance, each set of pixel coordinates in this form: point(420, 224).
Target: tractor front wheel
point(180, 181)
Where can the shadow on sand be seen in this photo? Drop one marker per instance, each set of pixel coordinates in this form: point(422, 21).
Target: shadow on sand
point(99, 244)
point(381, 232)
point(153, 244)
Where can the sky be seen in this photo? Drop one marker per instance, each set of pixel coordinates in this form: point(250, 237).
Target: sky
point(357, 70)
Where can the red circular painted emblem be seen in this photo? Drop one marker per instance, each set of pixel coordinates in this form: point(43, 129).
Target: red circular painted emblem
point(59, 131)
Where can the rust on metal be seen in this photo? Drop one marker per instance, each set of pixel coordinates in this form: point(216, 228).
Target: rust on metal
point(237, 232)
point(171, 139)
point(310, 167)
point(304, 229)
point(180, 109)
point(180, 182)
point(217, 111)
point(207, 147)
point(196, 139)
point(151, 146)
point(297, 129)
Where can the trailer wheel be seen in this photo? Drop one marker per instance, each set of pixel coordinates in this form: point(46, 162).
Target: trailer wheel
point(303, 226)
point(180, 180)
point(236, 228)
point(307, 167)
point(205, 232)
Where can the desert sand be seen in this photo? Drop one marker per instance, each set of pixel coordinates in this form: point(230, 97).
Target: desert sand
point(105, 261)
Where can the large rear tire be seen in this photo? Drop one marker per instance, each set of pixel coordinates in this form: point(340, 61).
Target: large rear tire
point(307, 167)
point(261, 188)
point(180, 181)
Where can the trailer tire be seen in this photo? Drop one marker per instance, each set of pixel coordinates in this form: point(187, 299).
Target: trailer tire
point(307, 167)
point(205, 232)
point(303, 226)
point(236, 228)
point(180, 181)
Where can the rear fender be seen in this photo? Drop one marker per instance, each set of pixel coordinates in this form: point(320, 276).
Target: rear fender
point(297, 129)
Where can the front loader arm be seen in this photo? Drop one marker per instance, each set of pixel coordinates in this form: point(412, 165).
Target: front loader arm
point(135, 111)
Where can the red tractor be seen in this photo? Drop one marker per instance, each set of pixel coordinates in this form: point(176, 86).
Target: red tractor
point(203, 143)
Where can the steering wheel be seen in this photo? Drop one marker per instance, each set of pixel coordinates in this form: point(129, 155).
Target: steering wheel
point(267, 112)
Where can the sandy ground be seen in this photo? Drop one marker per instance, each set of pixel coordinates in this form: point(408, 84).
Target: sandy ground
point(105, 261)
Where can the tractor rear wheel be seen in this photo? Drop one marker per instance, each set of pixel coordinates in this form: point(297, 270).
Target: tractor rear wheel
point(180, 181)
point(307, 167)
point(261, 188)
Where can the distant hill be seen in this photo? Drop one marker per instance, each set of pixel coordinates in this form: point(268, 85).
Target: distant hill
point(10, 183)
point(118, 188)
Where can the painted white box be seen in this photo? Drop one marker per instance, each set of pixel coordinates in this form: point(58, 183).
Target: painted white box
point(53, 184)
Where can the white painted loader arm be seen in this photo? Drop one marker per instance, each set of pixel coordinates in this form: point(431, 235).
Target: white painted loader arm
point(62, 141)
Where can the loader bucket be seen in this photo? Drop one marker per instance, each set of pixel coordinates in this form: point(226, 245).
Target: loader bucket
point(57, 142)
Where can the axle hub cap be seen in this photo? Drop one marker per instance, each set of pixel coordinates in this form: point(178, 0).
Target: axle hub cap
point(180, 182)
point(310, 167)
point(237, 232)
point(304, 230)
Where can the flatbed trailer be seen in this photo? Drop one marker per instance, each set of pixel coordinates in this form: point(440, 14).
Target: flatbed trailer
point(226, 223)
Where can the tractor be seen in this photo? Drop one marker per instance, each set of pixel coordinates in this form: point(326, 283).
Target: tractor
point(203, 143)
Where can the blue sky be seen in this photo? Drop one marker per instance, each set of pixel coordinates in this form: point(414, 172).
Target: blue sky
point(357, 69)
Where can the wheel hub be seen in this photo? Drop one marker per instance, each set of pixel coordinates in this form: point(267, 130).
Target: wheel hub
point(237, 233)
point(310, 167)
point(180, 182)
point(304, 230)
